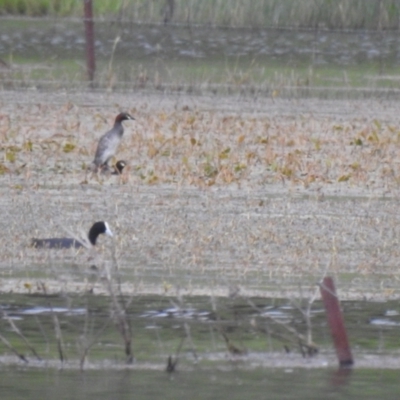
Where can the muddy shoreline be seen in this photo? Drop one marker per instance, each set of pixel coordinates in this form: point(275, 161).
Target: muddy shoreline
point(221, 193)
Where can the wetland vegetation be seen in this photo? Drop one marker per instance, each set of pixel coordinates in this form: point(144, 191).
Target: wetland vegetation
point(241, 192)
point(219, 202)
point(322, 14)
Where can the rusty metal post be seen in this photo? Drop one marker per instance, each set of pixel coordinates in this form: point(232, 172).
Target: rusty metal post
point(335, 321)
point(89, 34)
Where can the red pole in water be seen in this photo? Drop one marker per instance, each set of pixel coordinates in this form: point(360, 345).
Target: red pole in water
point(335, 321)
point(89, 33)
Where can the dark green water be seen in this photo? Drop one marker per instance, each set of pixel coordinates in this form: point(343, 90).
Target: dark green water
point(159, 325)
point(192, 327)
point(19, 383)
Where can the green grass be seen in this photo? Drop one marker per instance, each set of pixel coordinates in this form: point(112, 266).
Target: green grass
point(339, 14)
point(35, 8)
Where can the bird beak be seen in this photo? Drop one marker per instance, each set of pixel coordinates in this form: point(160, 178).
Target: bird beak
point(108, 230)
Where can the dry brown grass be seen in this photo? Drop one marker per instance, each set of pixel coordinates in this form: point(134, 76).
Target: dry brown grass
point(220, 194)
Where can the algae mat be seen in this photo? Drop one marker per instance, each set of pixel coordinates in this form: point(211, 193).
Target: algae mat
point(222, 195)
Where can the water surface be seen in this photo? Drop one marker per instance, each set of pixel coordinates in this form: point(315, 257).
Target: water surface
point(179, 58)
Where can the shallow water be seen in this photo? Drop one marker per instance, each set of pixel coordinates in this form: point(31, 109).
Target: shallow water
point(50, 54)
point(265, 332)
point(205, 366)
point(258, 234)
point(45, 38)
point(200, 383)
point(215, 241)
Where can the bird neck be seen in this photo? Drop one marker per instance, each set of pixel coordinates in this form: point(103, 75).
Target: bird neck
point(118, 127)
point(93, 236)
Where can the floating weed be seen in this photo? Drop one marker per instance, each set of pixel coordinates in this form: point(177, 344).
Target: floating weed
point(377, 124)
point(14, 149)
point(3, 169)
point(50, 145)
point(240, 139)
point(226, 175)
point(355, 166)
point(239, 167)
point(185, 162)
point(10, 155)
point(287, 171)
point(290, 143)
point(344, 178)
point(151, 178)
point(317, 143)
point(173, 127)
point(373, 137)
point(191, 120)
point(357, 142)
point(28, 146)
point(274, 166)
point(68, 147)
point(28, 286)
point(224, 154)
point(152, 151)
point(251, 155)
point(83, 151)
point(210, 171)
point(262, 140)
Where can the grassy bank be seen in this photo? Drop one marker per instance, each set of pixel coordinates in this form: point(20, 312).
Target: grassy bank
point(341, 14)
